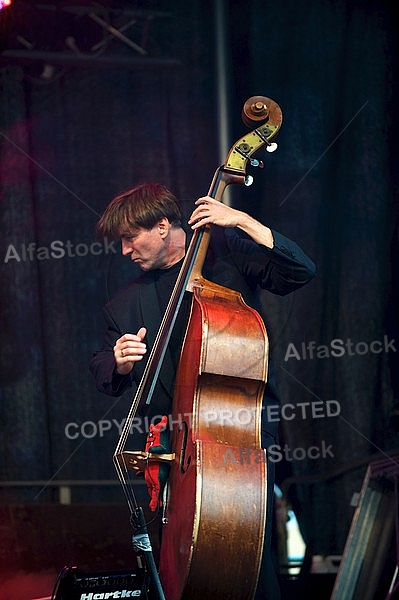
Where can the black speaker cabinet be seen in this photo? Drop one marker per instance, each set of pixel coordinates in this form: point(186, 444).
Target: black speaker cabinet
point(74, 584)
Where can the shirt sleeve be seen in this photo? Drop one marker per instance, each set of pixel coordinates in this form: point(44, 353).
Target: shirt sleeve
point(280, 270)
point(102, 364)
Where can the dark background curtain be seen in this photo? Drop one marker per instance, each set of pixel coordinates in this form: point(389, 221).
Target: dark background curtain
point(71, 141)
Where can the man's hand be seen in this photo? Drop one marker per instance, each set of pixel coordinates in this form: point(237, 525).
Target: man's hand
point(212, 211)
point(129, 349)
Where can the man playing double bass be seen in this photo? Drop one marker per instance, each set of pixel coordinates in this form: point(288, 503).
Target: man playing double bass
point(243, 255)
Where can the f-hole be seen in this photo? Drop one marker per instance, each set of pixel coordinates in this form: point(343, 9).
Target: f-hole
point(183, 463)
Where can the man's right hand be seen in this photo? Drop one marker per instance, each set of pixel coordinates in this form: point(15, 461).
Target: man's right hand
point(129, 349)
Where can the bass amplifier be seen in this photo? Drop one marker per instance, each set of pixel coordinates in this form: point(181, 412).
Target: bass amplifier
point(74, 584)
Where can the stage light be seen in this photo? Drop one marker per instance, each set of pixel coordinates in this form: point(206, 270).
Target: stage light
point(5, 3)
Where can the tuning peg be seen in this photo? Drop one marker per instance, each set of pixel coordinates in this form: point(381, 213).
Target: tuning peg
point(271, 147)
point(248, 180)
point(257, 163)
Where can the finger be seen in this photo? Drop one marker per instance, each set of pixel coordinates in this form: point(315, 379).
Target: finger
point(142, 333)
point(130, 349)
point(200, 223)
point(136, 337)
point(199, 214)
point(205, 200)
point(124, 355)
point(133, 349)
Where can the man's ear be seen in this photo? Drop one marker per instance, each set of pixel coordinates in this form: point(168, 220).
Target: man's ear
point(164, 227)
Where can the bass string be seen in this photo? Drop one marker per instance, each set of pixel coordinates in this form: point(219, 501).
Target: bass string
point(151, 372)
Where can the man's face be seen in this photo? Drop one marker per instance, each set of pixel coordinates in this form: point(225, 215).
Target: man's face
point(147, 247)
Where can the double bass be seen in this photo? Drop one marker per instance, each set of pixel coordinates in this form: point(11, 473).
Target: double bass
point(214, 501)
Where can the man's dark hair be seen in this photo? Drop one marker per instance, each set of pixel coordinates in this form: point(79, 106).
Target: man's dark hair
point(141, 206)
